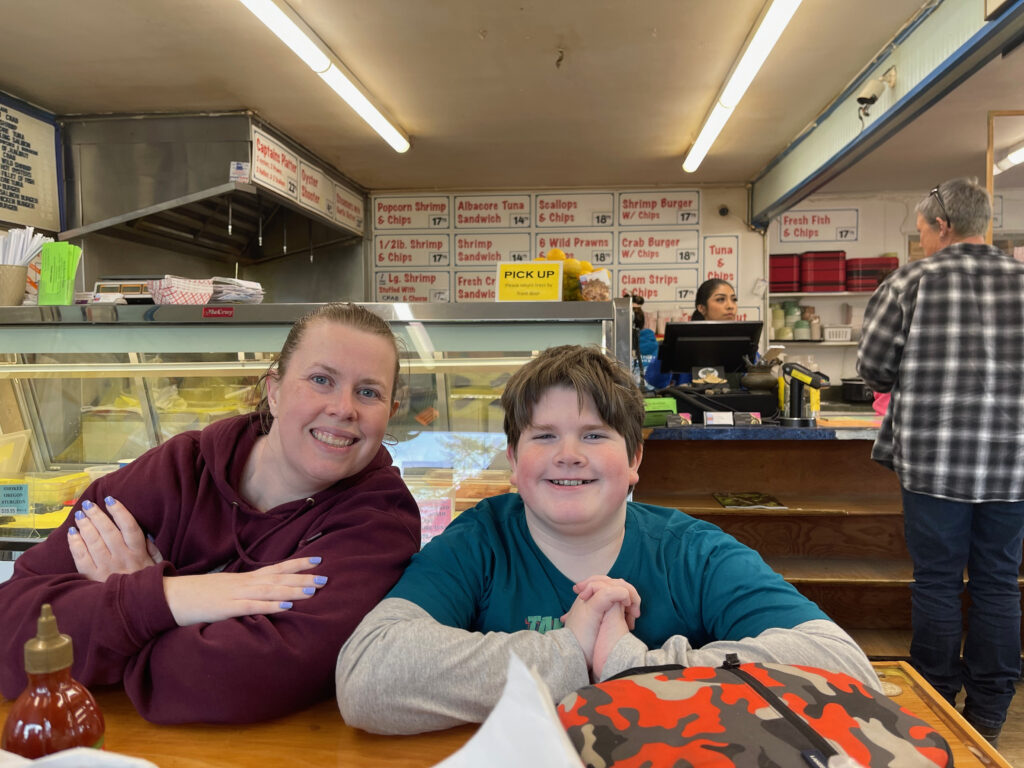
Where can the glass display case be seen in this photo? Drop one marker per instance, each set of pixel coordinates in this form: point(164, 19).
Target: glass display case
point(84, 388)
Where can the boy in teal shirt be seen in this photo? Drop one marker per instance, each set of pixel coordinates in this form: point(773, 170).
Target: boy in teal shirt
point(567, 573)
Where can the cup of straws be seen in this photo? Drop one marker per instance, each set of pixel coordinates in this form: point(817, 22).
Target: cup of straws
point(17, 248)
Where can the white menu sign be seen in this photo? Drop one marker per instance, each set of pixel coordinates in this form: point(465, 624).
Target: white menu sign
point(424, 250)
point(596, 247)
point(316, 191)
point(475, 286)
point(349, 209)
point(28, 169)
point(666, 247)
point(642, 209)
point(666, 284)
point(827, 226)
point(431, 212)
point(273, 166)
point(479, 249)
point(721, 257)
point(580, 210)
point(417, 286)
point(484, 211)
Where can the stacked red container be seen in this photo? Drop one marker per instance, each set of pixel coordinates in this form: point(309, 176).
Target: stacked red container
point(784, 272)
point(823, 271)
point(866, 274)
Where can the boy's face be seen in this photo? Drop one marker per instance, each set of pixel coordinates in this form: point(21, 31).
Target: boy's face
point(571, 468)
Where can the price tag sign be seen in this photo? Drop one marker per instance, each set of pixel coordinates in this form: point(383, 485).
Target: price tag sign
point(14, 499)
point(596, 247)
point(411, 212)
point(492, 211)
point(837, 225)
point(661, 247)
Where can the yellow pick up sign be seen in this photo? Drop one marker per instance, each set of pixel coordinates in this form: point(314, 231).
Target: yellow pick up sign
point(530, 281)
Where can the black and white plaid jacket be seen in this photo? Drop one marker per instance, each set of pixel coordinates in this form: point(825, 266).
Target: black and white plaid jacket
point(946, 336)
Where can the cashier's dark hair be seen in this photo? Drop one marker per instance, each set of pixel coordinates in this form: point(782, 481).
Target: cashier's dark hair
point(587, 370)
point(342, 313)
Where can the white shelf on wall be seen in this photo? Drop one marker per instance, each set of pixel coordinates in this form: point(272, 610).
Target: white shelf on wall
point(806, 343)
point(824, 294)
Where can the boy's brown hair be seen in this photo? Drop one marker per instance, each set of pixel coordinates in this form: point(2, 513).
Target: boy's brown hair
point(588, 371)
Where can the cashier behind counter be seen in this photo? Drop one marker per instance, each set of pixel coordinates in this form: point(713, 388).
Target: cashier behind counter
point(722, 345)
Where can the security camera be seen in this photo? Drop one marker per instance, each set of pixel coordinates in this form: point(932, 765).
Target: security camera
point(871, 91)
point(723, 210)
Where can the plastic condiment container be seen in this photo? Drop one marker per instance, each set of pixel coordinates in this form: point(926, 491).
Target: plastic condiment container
point(792, 315)
point(54, 712)
point(816, 328)
point(801, 331)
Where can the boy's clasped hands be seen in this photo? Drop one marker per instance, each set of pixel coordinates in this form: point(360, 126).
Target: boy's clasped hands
point(605, 610)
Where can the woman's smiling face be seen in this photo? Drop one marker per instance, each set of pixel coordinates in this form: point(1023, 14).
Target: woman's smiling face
point(331, 405)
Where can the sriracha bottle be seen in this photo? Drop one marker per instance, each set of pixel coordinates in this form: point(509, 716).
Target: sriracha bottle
point(54, 712)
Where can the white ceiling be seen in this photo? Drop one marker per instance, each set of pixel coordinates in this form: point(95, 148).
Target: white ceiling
point(499, 93)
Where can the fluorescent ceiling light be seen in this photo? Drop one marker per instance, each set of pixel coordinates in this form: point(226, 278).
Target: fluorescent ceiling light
point(294, 33)
point(754, 54)
point(345, 88)
point(1014, 157)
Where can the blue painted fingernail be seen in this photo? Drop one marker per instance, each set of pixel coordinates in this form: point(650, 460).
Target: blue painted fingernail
point(72, 531)
point(109, 500)
point(309, 590)
point(320, 580)
point(151, 537)
point(286, 605)
point(316, 560)
point(79, 514)
point(86, 504)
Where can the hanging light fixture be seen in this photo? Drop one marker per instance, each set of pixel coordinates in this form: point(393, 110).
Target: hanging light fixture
point(773, 21)
point(293, 32)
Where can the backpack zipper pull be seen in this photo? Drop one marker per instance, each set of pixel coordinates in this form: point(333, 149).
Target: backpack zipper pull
point(731, 661)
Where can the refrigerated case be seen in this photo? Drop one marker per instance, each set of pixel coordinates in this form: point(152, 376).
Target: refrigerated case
point(97, 385)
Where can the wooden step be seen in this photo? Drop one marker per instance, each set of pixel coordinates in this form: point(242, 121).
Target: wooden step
point(882, 644)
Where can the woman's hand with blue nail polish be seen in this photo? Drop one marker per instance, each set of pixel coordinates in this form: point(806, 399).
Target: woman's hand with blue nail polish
point(105, 545)
point(210, 597)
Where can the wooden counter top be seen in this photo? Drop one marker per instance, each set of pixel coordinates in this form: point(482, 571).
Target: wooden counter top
point(318, 738)
point(314, 738)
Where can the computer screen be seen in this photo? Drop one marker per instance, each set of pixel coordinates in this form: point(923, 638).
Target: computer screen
point(720, 343)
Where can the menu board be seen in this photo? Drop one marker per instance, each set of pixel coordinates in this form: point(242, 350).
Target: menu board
point(277, 167)
point(29, 187)
point(492, 211)
point(596, 247)
point(837, 225)
point(591, 209)
point(650, 241)
point(413, 286)
point(490, 249)
point(643, 209)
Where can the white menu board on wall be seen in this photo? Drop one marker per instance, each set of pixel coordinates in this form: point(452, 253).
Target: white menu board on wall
point(836, 225)
point(434, 244)
point(643, 209)
point(589, 209)
point(411, 212)
point(492, 211)
point(29, 185)
point(277, 167)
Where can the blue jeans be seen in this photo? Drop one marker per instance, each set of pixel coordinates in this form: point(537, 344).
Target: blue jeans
point(943, 538)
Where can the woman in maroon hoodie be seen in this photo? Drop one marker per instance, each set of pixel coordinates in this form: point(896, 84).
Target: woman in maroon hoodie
point(217, 575)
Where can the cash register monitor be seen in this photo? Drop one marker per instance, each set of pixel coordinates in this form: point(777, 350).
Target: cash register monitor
point(721, 343)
